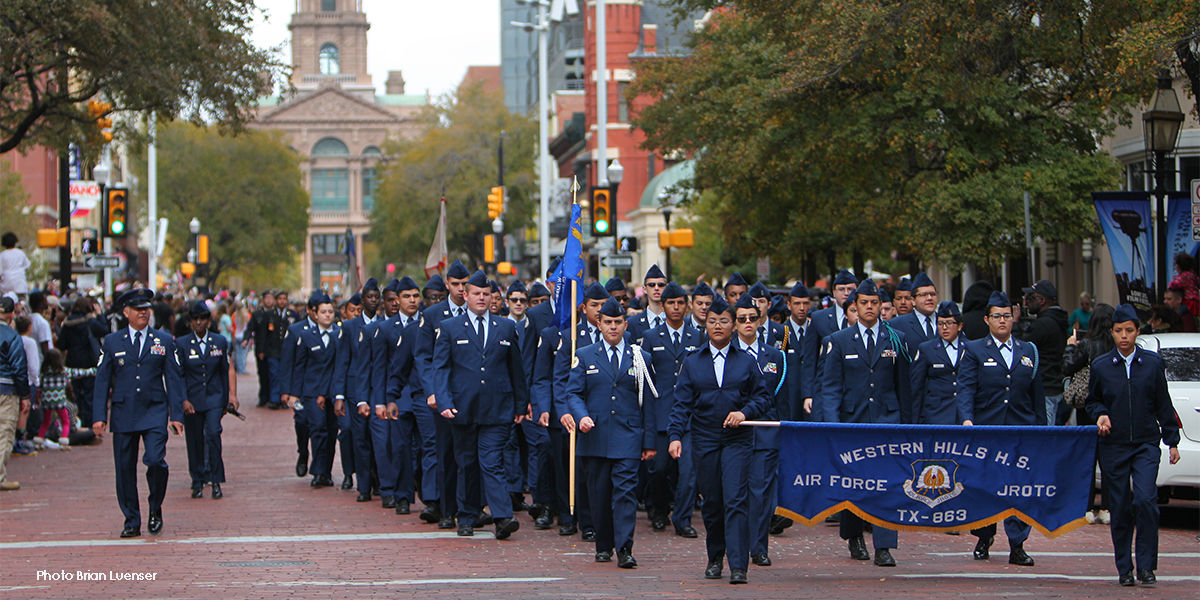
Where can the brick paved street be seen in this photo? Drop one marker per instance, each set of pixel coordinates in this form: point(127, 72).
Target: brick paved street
point(274, 537)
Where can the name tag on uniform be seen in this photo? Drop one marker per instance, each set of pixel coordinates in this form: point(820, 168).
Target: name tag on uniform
point(791, 350)
point(505, 343)
point(193, 354)
point(315, 348)
point(464, 341)
point(122, 353)
point(592, 369)
point(1025, 360)
point(658, 348)
point(939, 365)
point(850, 356)
point(989, 363)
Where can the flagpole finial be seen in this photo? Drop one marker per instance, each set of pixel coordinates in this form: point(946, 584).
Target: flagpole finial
point(575, 189)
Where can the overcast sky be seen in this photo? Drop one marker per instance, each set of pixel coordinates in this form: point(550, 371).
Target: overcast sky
point(431, 41)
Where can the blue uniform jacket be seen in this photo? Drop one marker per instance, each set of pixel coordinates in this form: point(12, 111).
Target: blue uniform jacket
point(911, 325)
point(352, 368)
point(428, 325)
point(528, 336)
point(315, 361)
point(562, 363)
point(484, 382)
point(991, 394)
point(205, 374)
point(1139, 406)
point(705, 405)
point(800, 348)
point(639, 325)
point(623, 427)
point(395, 363)
point(856, 388)
point(825, 322)
point(935, 381)
point(147, 388)
point(667, 359)
point(771, 364)
point(287, 353)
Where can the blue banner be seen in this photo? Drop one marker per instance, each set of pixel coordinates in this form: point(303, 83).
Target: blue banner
point(569, 272)
point(937, 477)
point(1129, 233)
point(1179, 228)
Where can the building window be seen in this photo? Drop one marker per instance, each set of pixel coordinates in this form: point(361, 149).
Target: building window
point(623, 102)
point(330, 147)
point(327, 60)
point(1189, 169)
point(330, 189)
point(328, 5)
point(368, 189)
point(327, 244)
point(372, 151)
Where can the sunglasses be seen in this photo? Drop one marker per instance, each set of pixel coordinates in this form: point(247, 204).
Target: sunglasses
point(746, 319)
point(656, 284)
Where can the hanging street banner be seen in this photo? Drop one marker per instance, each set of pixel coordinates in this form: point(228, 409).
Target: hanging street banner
point(936, 477)
point(1129, 235)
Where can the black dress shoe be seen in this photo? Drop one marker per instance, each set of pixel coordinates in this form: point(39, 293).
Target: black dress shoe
point(388, 502)
point(1146, 576)
point(326, 481)
point(216, 491)
point(316, 482)
point(883, 558)
point(982, 547)
point(198, 492)
point(134, 531)
point(858, 549)
point(485, 518)
point(625, 559)
point(543, 521)
point(446, 523)
point(1017, 556)
point(302, 466)
point(658, 524)
point(589, 535)
point(778, 524)
point(402, 506)
point(431, 513)
point(687, 531)
point(568, 529)
point(154, 524)
point(537, 510)
point(465, 531)
point(347, 483)
point(365, 497)
point(1126, 580)
point(606, 556)
point(761, 560)
point(713, 570)
point(737, 576)
point(518, 502)
point(506, 527)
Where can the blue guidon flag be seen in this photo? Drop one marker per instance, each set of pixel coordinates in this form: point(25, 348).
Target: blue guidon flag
point(936, 477)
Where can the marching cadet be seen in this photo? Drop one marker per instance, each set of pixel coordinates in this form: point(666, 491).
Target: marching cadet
point(998, 384)
point(538, 315)
point(800, 348)
point(455, 305)
point(864, 379)
point(538, 294)
point(902, 300)
point(734, 288)
point(435, 290)
point(497, 306)
point(351, 308)
point(287, 326)
point(669, 344)
point(935, 370)
point(778, 312)
point(887, 311)
point(653, 316)
point(718, 387)
point(371, 297)
point(764, 462)
point(386, 387)
point(350, 389)
point(526, 438)
point(139, 369)
point(702, 298)
point(920, 325)
point(204, 360)
point(617, 289)
point(829, 320)
point(608, 397)
point(1128, 397)
point(770, 331)
point(311, 385)
point(258, 330)
point(483, 345)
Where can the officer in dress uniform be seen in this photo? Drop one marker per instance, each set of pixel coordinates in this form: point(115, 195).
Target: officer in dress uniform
point(702, 298)
point(800, 348)
point(541, 313)
point(829, 320)
point(669, 344)
point(204, 360)
point(653, 316)
point(610, 401)
point(258, 330)
point(864, 379)
point(615, 286)
point(935, 370)
point(764, 463)
point(1128, 397)
point(138, 368)
point(287, 326)
point(770, 331)
point(998, 384)
point(902, 300)
point(434, 291)
point(527, 440)
point(720, 386)
point(351, 400)
point(484, 345)
point(391, 400)
point(734, 288)
point(920, 325)
point(310, 388)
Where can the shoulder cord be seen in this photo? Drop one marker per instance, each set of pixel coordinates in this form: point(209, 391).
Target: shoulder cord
point(782, 377)
point(894, 338)
point(641, 373)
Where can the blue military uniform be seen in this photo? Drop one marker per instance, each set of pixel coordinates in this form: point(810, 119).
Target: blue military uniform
point(315, 357)
point(528, 441)
point(770, 332)
point(281, 380)
point(800, 347)
point(646, 320)
point(917, 327)
point(828, 320)
point(934, 375)
point(139, 377)
point(1132, 392)
point(205, 367)
point(351, 386)
point(391, 392)
point(998, 384)
point(701, 289)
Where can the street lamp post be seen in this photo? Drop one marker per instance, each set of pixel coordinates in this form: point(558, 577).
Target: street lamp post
point(194, 251)
point(1160, 127)
point(666, 209)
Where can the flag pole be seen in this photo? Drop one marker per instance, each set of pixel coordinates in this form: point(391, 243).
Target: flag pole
point(574, 341)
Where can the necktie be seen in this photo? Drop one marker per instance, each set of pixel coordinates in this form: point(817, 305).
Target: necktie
point(595, 335)
point(870, 344)
point(928, 328)
point(676, 334)
point(719, 367)
point(762, 332)
point(752, 350)
point(845, 324)
point(657, 322)
point(479, 328)
point(137, 342)
point(615, 360)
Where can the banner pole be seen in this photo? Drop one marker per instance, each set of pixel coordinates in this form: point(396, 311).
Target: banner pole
point(571, 437)
point(759, 424)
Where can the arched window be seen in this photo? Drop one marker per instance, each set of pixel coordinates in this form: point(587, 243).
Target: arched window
point(372, 151)
point(330, 147)
point(328, 60)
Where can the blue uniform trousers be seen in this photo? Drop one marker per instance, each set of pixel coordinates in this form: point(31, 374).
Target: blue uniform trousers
point(427, 457)
point(263, 366)
point(202, 432)
point(612, 485)
point(448, 464)
point(1016, 530)
point(355, 439)
point(321, 428)
point(671, 479)
point(1128, 473)
point(392, 446)
point(851, 526)
point(523, 456)
point(723, 478)
point(560, 450)
point(479, 451)
point(345, 442)
point(154, 453)
point(764, 492)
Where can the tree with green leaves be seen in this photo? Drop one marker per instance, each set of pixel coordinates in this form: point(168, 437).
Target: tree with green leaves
point(904, 126)
point(184, 58)
point(454, 156)
point(246, 190)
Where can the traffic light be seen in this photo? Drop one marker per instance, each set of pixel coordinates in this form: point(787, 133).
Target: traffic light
point(52, 238)
point(98, 111)
point(489, 248)
point(602, 214)
point(88, 244)
point(202, 249)
point(116, 212)
point(496, 202)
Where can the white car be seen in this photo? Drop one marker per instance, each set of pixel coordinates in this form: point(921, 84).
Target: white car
point(1181, 353)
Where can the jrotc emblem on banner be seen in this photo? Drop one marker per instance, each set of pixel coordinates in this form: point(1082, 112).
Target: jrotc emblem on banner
point(933, 481)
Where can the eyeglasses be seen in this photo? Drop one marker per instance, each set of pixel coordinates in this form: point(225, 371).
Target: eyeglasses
point(722, 322)
point(1001, 317)
point(746, 319)
point(657, 284)
point(947, 323)
point(926, 295)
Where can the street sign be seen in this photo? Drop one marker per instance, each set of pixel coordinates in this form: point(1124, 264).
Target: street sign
point(617, 261)
point(1195, 187)
point(103, 261)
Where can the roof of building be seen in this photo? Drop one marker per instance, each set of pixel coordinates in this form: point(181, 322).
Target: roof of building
point(669, 180)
